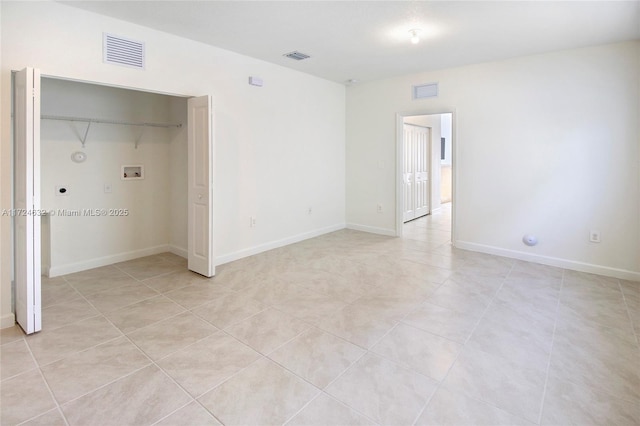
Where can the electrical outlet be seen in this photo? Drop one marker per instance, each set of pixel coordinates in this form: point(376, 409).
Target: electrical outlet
point(594, 236)
point(108, 188)
point(252, 222)
point(379, 208)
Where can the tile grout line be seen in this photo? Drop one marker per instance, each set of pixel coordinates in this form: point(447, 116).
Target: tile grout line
point(131, 373)
point(328, 395)
point(626, 305)
point(99, 314)
point(231, 376)
point(172, 413)
point(84, 296)
point(99, 344)
point(46, 383)
point(441, 382)
point(152, 362)
point(77, 352)
point(261, 356)
point(302, 408)
point(553, 337)
point(324, 390)
point(367, 351)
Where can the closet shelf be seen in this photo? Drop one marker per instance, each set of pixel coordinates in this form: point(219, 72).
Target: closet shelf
point(102, 121)
point(90, 121)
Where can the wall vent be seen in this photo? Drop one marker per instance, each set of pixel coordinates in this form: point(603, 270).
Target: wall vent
point(298, 56)
point(423, 91)
point(122, 51)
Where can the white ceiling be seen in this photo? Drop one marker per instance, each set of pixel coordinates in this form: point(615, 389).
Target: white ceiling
point(369, 40)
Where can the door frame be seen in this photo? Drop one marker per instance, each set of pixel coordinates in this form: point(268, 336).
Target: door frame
point(400, 116)
point(37, 172)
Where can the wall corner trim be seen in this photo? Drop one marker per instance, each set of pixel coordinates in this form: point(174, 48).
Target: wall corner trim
point(179, 251)
point(7, 321)
point(240, 254)
point(372, 229)
point(55, 271)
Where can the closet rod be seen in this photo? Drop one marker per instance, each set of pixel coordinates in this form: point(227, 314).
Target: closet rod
point(96, 120)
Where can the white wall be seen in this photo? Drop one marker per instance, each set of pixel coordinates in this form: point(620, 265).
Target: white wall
point(82, 242)
point(446, 131)
point(544, 144)
point(279, 149)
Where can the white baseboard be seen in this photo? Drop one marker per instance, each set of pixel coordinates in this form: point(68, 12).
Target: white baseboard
point(220, 260)
point(179, 251)
point(7, 320)
point(70, 268)
point(182, 252)
point(551, 261)
point(372, 229)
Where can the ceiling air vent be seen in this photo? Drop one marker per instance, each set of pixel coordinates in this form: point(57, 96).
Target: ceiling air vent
point(423, 91)
point(298, 56)
point(122, 51)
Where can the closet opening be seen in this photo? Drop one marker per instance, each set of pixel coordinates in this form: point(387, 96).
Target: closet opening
point(117, 175)
point(113, 175)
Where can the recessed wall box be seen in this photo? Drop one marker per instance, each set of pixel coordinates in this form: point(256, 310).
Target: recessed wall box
point(132, 172)
point(256, 81)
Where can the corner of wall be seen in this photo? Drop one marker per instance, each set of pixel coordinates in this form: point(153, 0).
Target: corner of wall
point(372, 229)
point(7, 320)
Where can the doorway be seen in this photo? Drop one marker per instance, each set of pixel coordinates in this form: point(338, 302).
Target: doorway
point(412, 211)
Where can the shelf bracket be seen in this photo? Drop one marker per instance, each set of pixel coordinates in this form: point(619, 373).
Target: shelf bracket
point(140, 134)
point(86, 132)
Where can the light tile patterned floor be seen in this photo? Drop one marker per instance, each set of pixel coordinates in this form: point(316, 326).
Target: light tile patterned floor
point(345, 329)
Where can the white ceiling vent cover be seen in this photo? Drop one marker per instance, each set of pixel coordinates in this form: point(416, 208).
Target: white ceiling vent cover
point(122, 51)
point(298, 56)
point(424, 91)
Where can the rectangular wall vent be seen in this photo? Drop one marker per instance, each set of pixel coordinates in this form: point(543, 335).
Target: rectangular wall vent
point(122, 51)
point(423, 91)
point(298, 56)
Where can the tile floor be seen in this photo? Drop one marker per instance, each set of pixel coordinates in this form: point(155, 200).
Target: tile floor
point(345, 329)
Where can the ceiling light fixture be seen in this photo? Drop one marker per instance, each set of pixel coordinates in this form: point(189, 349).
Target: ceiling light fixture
point(415, 35)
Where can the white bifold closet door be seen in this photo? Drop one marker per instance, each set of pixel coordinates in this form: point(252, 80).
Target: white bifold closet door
point(27, 241)
point(200, 181)
point(416, 171)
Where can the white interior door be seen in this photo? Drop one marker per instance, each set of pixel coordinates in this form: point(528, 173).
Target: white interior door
point(408, 175)
point(27, 200)
point(416, 171)
point(200, 137)
point(422, 137)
